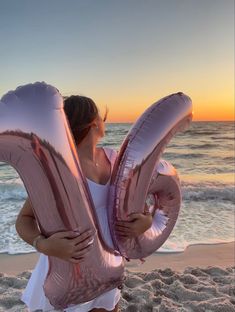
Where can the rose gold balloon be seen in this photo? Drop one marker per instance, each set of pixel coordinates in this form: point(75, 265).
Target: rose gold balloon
point(36, 140)
point(138, 175)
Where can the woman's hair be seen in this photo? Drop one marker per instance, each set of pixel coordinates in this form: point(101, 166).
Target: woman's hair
point(80, 111)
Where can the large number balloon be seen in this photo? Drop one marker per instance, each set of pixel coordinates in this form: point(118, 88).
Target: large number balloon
point(36, 140)
point(138, 175)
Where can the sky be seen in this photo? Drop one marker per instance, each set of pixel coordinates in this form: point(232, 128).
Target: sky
point(125, 54)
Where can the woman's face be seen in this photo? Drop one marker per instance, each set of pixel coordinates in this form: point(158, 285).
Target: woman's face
point(99, 125)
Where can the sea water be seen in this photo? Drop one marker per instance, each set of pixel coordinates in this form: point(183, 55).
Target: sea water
point(204, 158)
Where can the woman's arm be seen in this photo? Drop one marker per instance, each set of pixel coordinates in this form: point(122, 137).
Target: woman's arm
point(26, 225)
point(65, 245)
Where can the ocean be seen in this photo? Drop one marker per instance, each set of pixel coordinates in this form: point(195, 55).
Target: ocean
point(204, 158)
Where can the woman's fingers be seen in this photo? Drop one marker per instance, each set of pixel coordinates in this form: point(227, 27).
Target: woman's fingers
point(84, 236)
point(123, 229)
point(123, 223)
point(72, 234)
point(82, 252)
point(122, 235)
point(65, 234)
point(85, 243)
point(80, 256)
point(126, 235)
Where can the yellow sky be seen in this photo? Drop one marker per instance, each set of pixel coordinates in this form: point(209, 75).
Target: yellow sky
point(209, 83)
point(206, 106)
point(215, 112)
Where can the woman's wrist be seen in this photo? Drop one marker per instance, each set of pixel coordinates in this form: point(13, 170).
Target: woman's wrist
point(38, 243)
point(149, 217)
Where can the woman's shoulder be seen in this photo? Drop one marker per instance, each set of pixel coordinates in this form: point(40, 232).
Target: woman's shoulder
point(110, 150)
point(111, 153)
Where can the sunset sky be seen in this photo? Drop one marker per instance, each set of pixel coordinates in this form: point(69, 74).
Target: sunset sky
point(125, 54)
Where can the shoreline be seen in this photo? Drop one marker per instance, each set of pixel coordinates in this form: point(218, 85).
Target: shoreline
point(200, 255)
point(199, 279)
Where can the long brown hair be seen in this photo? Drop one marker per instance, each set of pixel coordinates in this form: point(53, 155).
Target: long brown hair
point(81, 111)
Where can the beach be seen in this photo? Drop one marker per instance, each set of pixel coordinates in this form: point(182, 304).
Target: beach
point(202, 278)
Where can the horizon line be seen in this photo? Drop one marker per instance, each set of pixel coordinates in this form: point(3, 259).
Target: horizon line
point(129, 122)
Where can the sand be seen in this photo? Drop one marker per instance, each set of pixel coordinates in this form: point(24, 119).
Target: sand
point(201, 279)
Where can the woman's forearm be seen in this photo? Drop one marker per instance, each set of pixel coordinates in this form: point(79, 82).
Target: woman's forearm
point(27, 229)
point(67, 245)
point(26, 225)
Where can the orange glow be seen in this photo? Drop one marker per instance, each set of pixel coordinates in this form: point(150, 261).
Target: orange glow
point(213, 98)
point(215, 111)
point(220, 114)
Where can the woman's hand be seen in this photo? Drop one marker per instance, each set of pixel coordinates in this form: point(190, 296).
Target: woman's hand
point(69, 246)
point(136, 225)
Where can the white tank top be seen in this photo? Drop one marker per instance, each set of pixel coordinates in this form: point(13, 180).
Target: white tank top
point(34, 296)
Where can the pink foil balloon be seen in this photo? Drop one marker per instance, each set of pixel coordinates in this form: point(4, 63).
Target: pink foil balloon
point(137, 175)
point(36, 140)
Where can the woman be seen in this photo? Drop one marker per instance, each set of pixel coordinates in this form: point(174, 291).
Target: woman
point(88, 128)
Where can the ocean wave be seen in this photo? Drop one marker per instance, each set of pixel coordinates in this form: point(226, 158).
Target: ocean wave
point(106, 144)
point(223, 138)
point(183, 156)
point(3, 164)
point(195, 132)
point(12, 191)
point(203, 146)
point(171, 247)
point(229, 158)
point(208, 191)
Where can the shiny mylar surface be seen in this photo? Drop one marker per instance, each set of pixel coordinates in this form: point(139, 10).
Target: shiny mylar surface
point(138, 174)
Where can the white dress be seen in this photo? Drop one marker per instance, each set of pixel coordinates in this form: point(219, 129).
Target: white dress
point(34, 296)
